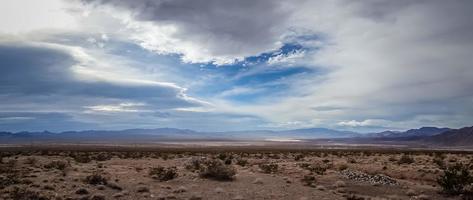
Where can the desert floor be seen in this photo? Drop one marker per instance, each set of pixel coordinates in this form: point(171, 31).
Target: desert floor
point(224, 174)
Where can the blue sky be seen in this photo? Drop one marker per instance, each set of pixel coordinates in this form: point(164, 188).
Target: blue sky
point(215, 65)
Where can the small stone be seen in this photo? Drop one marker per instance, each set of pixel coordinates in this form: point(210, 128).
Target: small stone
point(340, 184)
point(82, 191)
point(100, 187)
point(341, 190)
point(161, 197)
point(423, 197)
point(181, 189)
point(98, 197)
point(238, 197)
point(117, 195)
point(195, 197)
point(410, 192)
point(219, 190)
point(320, 187)
point(142, 189)
point(114, 186)
point(258, 181)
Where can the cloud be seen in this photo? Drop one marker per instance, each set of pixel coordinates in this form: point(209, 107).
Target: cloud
point(42, 70)
point(340, 64)
point(214, 31)
point(43, 78)
point(407, 63)
point(22, 16)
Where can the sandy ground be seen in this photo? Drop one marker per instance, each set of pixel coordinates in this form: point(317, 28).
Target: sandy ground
point(299, 175)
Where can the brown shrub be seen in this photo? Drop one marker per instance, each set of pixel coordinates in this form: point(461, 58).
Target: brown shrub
point(216, 169)
point(163, 174)
point(96, 179)
point(269, 168)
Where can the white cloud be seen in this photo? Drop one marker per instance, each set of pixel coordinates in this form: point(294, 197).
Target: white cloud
point(404, 63)
point(287, 59)
point(21, 16)
point(122, 107)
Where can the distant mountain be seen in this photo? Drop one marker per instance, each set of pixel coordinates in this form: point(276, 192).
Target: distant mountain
point(162, 134)
point(454, 137)
point(412, 133)
point(424, 134)
point(318, 133)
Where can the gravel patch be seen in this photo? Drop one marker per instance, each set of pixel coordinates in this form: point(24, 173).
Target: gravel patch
point(378, 179)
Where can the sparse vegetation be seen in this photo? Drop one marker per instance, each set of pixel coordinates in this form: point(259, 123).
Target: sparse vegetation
point(216, 169)
point(96, 179)
point(242, 162)
point(162, 173)
point(21, 193)
point(269, 168)
point(57, 164)
point(405, 159)
point(129, 173)
point(309, 180)
point(315, 168)
point(455, 179)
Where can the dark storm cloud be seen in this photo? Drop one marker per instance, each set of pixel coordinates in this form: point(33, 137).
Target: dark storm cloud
point(223, 28)
point(31, 70)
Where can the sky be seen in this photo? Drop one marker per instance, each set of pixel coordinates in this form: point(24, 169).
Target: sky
point(223, 65)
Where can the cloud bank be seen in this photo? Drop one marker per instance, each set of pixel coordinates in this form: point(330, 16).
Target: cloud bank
point(355, 65)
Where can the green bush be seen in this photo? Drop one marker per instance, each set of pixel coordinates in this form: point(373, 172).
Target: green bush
point(455, 179)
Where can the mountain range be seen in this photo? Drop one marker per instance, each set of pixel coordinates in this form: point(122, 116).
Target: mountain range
point(429, 135)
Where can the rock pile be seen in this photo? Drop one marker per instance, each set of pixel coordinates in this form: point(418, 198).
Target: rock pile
point(377, 179)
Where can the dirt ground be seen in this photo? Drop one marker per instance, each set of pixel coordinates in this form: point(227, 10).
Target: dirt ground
point(292, 175)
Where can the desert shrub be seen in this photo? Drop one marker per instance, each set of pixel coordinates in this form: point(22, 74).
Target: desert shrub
point(351, 160)
point(8, 167)
point(101, 157)
point(315, 168)
point(354, 197)
point(455, 178)
point(308, 180)
point(342, 167)
point(439, 162)
point(222, 156)
point(25, 194)
point(242, 162)
point(216, 169)
point(194, 164)
point(96, 179)
point(269, 168)
point(57, 164)
point(405, 159)
point(298, 157)
point(392, 159)
point(31, 160)
point(9, 179)
point(162, 173)
point(81, 158)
